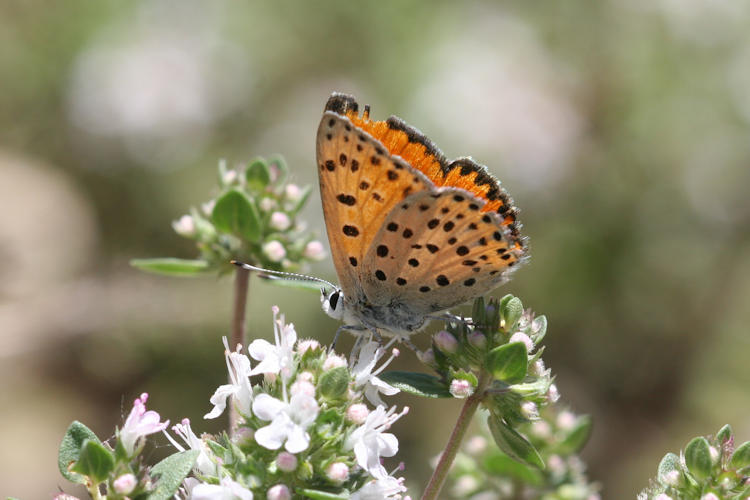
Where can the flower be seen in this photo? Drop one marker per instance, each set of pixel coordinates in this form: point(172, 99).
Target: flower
point(203, 463)
point(385, 487)
point(275, 358)
point(314, 250)
point(286, 462)
point(369, 442)
point(279, 492)
point(337, 472)
point(227, 489)
point(239, 387)
point(461, 388)
point(289, 421)
point(446, 342)
point(280, 221)
point(267, 204)
point(357, 413)
point(522, 337)
point(125, 484)
point(364, 376)
point(333, 361)
point(274, 250)
point(184, 226)
point(293, 193)
point(140, 423)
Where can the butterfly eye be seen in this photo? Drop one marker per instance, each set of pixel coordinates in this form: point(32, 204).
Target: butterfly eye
point(334, 299)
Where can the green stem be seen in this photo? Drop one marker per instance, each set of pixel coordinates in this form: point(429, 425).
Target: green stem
point(94, 492)
point(454, 442)
point(241, 286)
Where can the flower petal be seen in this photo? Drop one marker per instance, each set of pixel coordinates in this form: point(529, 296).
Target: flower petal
point(267, 407)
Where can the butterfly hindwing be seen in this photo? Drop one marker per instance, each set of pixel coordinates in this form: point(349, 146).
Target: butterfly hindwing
point(438, 249)
point(360, 183)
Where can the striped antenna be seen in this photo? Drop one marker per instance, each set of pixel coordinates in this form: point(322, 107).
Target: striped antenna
point(271, 274)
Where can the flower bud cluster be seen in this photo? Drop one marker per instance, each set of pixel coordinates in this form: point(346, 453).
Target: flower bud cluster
point(253, 219)
point(709, 468)
point(499, 349)
point(557, 434)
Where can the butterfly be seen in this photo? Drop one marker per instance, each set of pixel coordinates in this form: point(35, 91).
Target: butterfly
point(411, 233)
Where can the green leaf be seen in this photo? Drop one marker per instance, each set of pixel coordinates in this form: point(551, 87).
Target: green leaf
point(741, 457)
point(234, 213)
point(95, 461)
point(258, 175)
point(334, 384)
point(278, 168)
point(304, 195)
point(503, 465)
point(508, 362)
point(170, 473)
point(724, 434)
point(577, 437)
point(418, 384)
point(322, 495)
point(698, 458)
point(538, 328)
point(514, 444)
point(170, 266)
point(669, 463)
point(511, 310)
point(70, 449)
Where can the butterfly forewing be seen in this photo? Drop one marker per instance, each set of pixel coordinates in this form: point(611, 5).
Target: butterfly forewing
point(360, 184)
point(437, 249)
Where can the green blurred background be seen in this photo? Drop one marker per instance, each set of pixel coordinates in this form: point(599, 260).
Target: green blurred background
point(619, 126)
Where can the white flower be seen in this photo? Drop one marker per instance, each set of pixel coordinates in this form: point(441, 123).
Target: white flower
point(280, 221)
point(229, 177)
point(274, 250)
point(239, 387)
point(227, 489)
point(385, 487)
point(267, 204)
point(293, 193)
point(566, 420)
point(204, 464)
point(208, 207)
point(364, 376)
point(522, 337)
point(140, 423)
point(276, 358)
point(184, 226)
point(461, 388)
point(333, 361)
point(314, 250)
point(369, 442)
point(289, 421)
point(530, 410)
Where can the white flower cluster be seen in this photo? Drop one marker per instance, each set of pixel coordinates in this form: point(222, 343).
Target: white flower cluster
point(327, 435)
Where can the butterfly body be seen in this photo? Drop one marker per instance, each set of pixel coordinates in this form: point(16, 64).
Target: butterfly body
point(411, 233)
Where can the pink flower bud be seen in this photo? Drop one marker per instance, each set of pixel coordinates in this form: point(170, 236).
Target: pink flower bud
point(184, 226)
point(267, 204)
point(280, 221)
point(333, 361)
point(357, 413)
point(478, 340)
point(286, 462)
point(522, 337)
point(427, 357)
point(274, 250)
point(125, 484)
point(461, 388)
point(337, 472)
point(279, 492)
point(566, 420)
point(446, 342)
point(293, 193)
point(314, 250)
point(304, 345)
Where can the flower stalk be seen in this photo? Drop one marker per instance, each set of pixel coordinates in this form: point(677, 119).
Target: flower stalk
point(437, 480)
point(241, 287)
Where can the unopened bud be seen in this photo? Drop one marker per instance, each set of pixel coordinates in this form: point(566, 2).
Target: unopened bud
point(274, 250)
point(279, 492)
point(337, 472)
point(286, 462)
point(445, 341)
point(293, 193)
point(522, 337)
point(125, 484)
point(184, 226)
point(280, 221)
point(461, 388)
point(357, 413)
point(314, 250)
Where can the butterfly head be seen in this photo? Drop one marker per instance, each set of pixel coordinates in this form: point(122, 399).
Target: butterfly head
point(332, 302)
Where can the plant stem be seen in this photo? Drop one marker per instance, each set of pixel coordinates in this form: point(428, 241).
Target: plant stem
point(454, 442)
point(241, 286)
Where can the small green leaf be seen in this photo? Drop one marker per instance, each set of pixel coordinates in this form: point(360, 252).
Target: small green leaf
point(322, 495)
point(258, 175)
point(418, 384)
point(171, 266)
point(334, 384)
point(698, 458)
point(577, 437)
point(503, 465)
point(538, 328)
point(514, 444)
point(95, 461)
point(511, 309)
point(724, 434)
point(234, 213)
point(70, 449)
point(669, 463)
point(741, 457)
point(278, 168)
point(508, 362)
point(170, 472)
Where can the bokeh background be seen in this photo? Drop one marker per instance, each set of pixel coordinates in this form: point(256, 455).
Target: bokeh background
point(621, 128)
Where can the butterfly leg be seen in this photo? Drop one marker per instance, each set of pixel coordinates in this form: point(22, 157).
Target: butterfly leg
point(353, 328)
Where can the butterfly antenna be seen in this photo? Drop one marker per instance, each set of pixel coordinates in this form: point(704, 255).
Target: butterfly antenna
point(269, 273)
